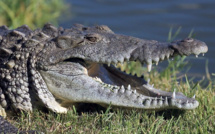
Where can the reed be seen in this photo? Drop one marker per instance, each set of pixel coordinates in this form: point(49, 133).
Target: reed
point(34, 13)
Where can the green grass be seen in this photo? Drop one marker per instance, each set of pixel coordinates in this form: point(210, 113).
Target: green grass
point(201, 120)
point(33, 13)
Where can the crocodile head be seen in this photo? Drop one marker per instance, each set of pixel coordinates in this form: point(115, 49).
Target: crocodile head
point(82, 69)
point(57, 67)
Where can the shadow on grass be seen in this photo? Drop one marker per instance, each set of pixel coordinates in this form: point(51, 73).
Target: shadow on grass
point(168, 114)
point(92, 108)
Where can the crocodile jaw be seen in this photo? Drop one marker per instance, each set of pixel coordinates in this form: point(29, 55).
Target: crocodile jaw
point(73, 83)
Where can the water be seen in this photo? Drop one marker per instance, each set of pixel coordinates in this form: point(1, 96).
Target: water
point(151, 20)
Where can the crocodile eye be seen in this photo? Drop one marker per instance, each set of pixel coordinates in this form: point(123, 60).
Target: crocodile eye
point(188, 40)
point(93, 37)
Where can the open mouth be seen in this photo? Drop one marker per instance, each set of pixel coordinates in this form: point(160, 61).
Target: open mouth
point(119, 81)
point(113, 85)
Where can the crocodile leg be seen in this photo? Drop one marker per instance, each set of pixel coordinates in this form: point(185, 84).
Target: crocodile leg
point(40, 88)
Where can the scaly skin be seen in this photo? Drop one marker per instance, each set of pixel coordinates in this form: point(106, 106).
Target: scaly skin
point(55, 68)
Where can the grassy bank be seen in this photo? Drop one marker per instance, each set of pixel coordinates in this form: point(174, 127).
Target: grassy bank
point(200, 120)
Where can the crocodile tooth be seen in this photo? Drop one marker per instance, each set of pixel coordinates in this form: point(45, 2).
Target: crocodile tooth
point(173, 94)
point(149, 67)
point(129, 87)
point(154, 102)
point(108, 64)
point(152, 85)
point(148, 81)
point(166, 101)
point(162, 57)
point(127, 58)
point(135, 91)
point(156, 63)
point(108, 61)
point(172, 102)
point(147, 102)
point(196, 56)
point(194, 96)
point(203, 54)
point(167, 56)
point(122, 89)
point(160, 102)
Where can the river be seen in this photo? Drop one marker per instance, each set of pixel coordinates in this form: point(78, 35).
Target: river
point(152, 20)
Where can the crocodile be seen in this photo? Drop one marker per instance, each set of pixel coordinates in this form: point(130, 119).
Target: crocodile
point(54, 68)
